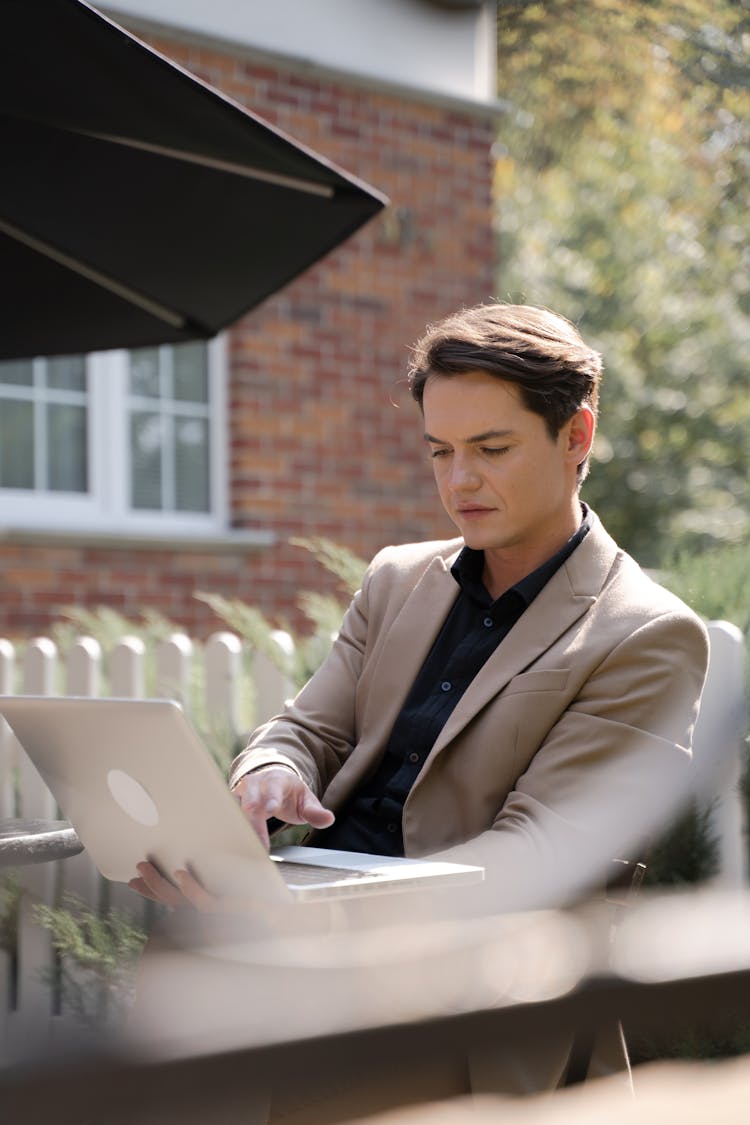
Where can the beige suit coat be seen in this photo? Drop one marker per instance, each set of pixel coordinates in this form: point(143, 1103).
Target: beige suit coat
point(570, 746)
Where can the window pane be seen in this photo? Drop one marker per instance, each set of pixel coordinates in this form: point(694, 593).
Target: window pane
point(146, 438)
point(144, 372)
point(191, 465)
point(190, 372)
point(16, 445)
point(67, 461)
point(67, 373)
point(17, 372)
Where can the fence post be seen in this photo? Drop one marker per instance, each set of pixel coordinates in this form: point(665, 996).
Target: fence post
point(7, 809)
point(39, 674)
point(222, 663)
point(127, 680)
point(7, 741)
point(83, 666)
point(40, 667)
point(718, 746)
point(127, 669)
point(173, 667)
point(32, 1021)
point(7, 667)
point(271, 678)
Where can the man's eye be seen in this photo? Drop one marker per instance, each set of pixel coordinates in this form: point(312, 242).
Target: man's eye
point(495, 450)
point(439, 452)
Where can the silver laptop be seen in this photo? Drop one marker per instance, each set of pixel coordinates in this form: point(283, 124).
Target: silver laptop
point(137, 783)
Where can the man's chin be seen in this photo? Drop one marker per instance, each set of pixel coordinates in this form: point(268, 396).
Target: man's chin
point(478, 542)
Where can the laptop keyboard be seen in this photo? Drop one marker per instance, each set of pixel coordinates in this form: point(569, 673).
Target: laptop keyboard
point(297, 874)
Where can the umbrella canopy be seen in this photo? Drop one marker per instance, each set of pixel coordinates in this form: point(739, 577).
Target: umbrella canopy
point(138, 205)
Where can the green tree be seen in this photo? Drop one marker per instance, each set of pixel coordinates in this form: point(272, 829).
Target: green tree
point(623, 193)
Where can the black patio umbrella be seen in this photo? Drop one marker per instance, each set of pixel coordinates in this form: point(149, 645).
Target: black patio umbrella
point(138, 205)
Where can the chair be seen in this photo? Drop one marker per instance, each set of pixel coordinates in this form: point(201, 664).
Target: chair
point(625, 879)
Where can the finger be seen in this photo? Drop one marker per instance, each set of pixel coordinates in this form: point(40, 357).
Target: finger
point(258, 796)
point(292, 801)
point(260, 824)
point(195, 893)
point(281, 794)
point(314, 814)
point(143, 889)
point(160, 888)
point(257, 816)
point(274, 794)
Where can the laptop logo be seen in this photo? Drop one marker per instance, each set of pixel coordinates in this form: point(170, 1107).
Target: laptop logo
point(132, 798)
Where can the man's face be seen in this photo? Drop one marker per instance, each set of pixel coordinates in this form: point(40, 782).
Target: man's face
point(505, 483)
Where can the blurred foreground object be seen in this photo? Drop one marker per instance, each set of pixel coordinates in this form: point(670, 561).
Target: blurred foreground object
point(409, 1004)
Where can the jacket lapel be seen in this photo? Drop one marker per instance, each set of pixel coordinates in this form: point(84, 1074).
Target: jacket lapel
point(568, 595)
point(410, 638)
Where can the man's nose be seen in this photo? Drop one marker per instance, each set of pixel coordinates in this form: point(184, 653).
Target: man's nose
point(463, 475)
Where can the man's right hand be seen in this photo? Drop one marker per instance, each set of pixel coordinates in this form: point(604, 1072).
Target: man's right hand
point(275, 791)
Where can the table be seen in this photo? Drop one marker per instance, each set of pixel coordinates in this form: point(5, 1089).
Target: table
point(26, 841)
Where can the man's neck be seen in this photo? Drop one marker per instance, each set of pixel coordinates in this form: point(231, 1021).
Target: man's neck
point(504, 567)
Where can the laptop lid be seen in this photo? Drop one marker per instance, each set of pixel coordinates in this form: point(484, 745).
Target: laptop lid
point(136, 782)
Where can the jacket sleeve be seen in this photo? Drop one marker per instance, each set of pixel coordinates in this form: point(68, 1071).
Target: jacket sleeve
point(317, 731)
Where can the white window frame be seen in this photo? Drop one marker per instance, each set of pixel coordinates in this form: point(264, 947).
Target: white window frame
point(105, 509)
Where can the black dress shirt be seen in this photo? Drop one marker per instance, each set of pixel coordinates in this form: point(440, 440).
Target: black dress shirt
point(474, 627)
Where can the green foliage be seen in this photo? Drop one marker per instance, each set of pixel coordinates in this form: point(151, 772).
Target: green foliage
point(247, 622)
point(250, 624)
point(623, 193)
point(728, 1040)
point(97, 956)
point(324, 611)
point(687, 854)
point(347, 567)
point(108, 627)
point(10, 902)
point(715, 582)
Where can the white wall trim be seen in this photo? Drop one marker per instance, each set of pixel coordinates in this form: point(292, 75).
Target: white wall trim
point(235, 542)
point(489, 108)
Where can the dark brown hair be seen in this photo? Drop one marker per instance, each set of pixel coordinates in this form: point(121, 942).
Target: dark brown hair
point(538, 350)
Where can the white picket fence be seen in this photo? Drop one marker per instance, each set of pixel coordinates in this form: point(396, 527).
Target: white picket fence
point(32, 1014)
point(220, 684)
point(720, 750)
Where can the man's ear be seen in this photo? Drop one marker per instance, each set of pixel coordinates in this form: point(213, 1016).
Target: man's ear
point(581, 434)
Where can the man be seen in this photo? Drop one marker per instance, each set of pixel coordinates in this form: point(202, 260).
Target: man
point(521, 697)
point(496, 698)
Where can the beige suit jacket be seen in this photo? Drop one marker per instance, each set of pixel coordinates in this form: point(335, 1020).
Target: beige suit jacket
point(570, 746)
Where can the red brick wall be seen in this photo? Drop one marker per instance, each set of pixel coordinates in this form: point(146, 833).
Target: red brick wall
point(323, 438)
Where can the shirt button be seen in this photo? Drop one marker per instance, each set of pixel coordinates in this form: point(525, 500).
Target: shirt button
point(392, 827)
point(446, 685)
point(413, 757)
point(488, 622)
